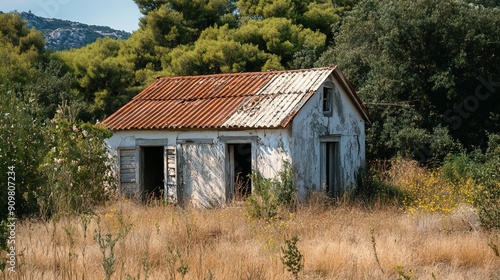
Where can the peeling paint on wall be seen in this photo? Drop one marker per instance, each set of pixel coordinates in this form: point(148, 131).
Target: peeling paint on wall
point(201, 156)
point(203, 174)
point(310, 125)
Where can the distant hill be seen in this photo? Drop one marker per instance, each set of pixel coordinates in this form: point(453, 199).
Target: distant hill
point(63, 34)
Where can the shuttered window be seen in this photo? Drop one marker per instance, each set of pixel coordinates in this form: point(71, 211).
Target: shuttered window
point(128, 171)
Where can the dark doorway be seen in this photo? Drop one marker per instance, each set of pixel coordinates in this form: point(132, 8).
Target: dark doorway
point(153, 172)
point(331, 169)
point(240, 164)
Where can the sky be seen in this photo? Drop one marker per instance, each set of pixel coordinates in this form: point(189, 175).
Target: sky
point(117, 14)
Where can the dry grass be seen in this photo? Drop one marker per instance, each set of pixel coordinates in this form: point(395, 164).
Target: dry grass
point(336, 242)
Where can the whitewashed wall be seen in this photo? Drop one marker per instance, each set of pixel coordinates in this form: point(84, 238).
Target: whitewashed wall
point(203, 164)
point(311, 124)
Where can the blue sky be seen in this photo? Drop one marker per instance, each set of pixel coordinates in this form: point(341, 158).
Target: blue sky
point(117, 14)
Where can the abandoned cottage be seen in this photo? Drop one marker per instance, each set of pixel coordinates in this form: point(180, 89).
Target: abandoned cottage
point(197, 138)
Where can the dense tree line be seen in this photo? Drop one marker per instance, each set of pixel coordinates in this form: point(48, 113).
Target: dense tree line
point(57, 162)
point(428, 71)
point(438, 60)
point(181, 37)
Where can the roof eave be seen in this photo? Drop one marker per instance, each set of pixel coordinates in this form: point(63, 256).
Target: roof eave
point(353, 95)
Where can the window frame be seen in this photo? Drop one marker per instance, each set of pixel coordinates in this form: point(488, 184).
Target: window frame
point(327, 100)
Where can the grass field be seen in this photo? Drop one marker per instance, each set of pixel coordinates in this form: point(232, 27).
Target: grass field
point(338, 241)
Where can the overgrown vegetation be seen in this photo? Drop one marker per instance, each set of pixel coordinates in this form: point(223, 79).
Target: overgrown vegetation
point(427, 70)
point(60, 164)
point(464, 180)
point(292, 258)
point(335, 243)
point(270, 196)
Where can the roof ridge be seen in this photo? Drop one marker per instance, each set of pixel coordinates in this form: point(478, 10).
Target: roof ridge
point(269, 72)
point(225, 96)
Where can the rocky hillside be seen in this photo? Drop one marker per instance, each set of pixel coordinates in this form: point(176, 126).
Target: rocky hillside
point(63, 34)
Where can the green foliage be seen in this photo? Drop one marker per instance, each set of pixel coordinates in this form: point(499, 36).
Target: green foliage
point(3, 237)
point(279, 36)
point(145, 56)
point(57, 169)
point(14, 31)
point(292, 258)
point(375, 188)
point(216, 52)
point(424, 60)
point(456, 167)
point(51, 85)
point(285, 190)
point(21, 146)
point(317, 15)
point(220, 36)
point(103, 76)
point(483, 169)
point(76, 170)
point(259, 45)
point(20, 49)
point(270, 195)
point(486, 3)
point(176, 22)
point(107, 243)
point(261, 204)
point(487, 175)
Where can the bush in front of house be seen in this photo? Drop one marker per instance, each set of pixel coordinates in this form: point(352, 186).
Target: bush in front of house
point(270, 195)
point(57, 166)
point(76, 170)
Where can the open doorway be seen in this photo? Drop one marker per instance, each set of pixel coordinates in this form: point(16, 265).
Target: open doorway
point(331, 168)
point(240, 169)
point(153, 172)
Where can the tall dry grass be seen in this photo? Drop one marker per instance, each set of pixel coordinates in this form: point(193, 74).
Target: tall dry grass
point(338, 241)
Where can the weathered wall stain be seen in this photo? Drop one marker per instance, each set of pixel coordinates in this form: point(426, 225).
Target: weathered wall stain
point(202, 155)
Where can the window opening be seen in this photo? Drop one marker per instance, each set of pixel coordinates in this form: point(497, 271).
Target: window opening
point(327, 100)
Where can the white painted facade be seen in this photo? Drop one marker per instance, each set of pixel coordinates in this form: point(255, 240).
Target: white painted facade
point(197, 170)
point(311, 130)
point(201, 158)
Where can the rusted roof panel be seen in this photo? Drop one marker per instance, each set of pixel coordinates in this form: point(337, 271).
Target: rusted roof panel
point(239, 100)
point(279, 100)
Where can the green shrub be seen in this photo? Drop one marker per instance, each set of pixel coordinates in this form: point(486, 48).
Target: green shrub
point(284, 189)
point(487, 175)
point(457, 167)
point(76, 170)
point(292, 258)
point(22, 147)
point(269, 195)
point(261, 204)
point(374, 186)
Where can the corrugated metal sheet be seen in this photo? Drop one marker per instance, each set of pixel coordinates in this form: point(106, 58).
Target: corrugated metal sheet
point(276, 103)
point(239, 100)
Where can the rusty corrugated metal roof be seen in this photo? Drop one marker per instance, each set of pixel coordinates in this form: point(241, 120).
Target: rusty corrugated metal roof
point(238, 100)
